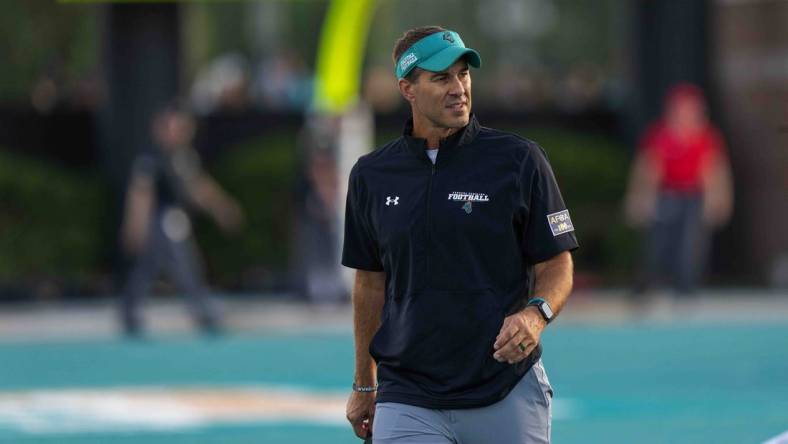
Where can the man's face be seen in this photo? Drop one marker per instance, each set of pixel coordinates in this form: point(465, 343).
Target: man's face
point(441, 99)
point(686, 112)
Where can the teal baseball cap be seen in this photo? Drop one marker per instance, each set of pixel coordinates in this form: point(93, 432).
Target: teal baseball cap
point(436, 52)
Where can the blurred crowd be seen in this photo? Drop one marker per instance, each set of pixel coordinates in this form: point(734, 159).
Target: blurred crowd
point(283, 82)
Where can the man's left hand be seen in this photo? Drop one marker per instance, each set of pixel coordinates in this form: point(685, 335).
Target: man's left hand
point(522, 328)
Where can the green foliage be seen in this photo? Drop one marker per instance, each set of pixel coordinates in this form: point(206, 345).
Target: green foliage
point(211, 29)
point(38, 36)
point(260, 175)
point(50, 220)
point(585, 32)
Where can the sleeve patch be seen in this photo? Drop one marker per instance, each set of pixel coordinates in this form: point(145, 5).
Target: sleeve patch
point(560, 223)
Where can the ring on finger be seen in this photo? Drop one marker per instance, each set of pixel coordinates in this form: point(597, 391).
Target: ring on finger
point(521, 347)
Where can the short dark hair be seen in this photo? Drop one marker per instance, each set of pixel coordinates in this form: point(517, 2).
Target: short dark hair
point(407, 40)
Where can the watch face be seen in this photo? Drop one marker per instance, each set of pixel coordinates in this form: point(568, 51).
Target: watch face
point(548, 312)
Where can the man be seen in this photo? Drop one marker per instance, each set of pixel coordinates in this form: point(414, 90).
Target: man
point(680, 190)
point(156, 230)
point(449, 227)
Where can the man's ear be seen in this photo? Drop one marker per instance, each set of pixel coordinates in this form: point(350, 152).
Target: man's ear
point(406, 89)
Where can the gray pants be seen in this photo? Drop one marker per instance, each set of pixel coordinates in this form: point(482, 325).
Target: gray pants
point(676, 244)
point(523, 417)
point(177, 256)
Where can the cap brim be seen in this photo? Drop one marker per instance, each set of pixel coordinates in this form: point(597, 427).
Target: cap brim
point(445, 58)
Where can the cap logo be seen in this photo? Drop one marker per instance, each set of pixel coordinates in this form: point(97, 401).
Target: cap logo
point(428, 53)
point(406, 61)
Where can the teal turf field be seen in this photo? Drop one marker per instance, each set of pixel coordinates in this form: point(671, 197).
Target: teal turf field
point(629, 383)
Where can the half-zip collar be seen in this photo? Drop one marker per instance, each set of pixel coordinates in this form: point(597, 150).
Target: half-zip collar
point(448, 145)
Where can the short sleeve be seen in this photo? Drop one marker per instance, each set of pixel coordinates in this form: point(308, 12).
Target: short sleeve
point(145, 165)
point(716, 144)
point(187, 165)
point(549, 228)
point(360, 246)
point(652, 141)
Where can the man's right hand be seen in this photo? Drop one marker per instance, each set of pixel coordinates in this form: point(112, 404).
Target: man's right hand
point(361, 412)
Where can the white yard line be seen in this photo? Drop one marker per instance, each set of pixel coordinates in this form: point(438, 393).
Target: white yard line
point(133, 409)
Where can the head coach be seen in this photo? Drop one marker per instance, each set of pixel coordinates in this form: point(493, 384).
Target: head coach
point(461, 243)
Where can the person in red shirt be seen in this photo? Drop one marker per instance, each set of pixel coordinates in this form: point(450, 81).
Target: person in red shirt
point(679, 191)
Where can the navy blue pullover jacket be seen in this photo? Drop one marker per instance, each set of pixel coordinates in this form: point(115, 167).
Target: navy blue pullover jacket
point(457, 241)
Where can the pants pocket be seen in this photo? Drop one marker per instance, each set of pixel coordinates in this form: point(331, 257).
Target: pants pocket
point(544, 384)
point(546, 391)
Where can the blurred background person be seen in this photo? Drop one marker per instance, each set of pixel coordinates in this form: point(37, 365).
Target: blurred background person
point(316, 275)
point(156, 230)
point(679, 191)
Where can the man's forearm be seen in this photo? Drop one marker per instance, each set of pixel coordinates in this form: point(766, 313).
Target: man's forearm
point(553, 280)
point(368, 298)
point(520, 332)
point(139, 206)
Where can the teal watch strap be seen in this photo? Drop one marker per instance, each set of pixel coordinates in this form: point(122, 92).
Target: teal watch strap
point(544, 308)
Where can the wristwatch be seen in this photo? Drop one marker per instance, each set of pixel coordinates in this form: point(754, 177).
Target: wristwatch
point(544, 308)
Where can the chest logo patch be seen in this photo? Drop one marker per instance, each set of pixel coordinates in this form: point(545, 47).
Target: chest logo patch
point(468, 207)
point(392, 200)
point(468, 197)
point(560, 222)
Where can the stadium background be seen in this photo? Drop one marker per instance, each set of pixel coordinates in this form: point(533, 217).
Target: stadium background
point(80, 81)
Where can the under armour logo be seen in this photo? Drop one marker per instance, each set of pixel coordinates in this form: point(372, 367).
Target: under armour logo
point(390, 201)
